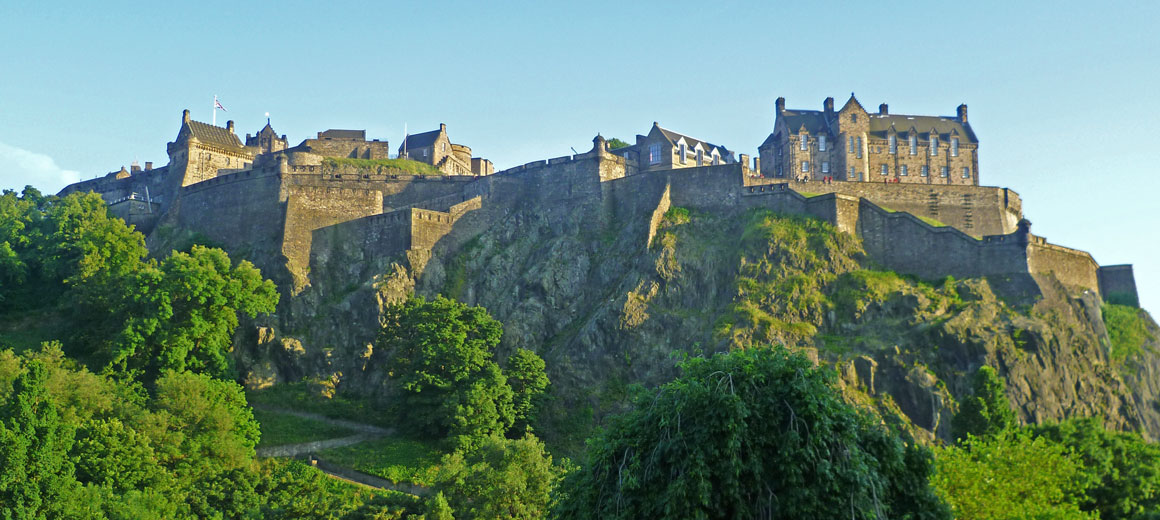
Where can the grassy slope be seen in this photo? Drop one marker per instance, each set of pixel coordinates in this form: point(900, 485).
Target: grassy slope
point(279, 429)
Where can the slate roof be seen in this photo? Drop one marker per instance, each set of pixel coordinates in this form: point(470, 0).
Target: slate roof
point(211, 134)
point(343, 134)
point(673, 137)
point(814, 121)
point(420, 140)
point(946, 127)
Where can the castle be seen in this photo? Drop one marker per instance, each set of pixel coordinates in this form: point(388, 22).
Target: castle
point(335, 199)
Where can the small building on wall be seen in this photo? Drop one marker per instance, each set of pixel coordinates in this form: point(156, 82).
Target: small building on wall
point(852, 144)
point(664, 149)
point(200, 150)
point(436, 149)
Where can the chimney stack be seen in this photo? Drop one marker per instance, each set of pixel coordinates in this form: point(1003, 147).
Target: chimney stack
point(963, 113)
point(884, 109)
point(828, 105)
point(442, 128)
point(148, 165)
point(185, 116)
point(780, 106)
point(230, 126)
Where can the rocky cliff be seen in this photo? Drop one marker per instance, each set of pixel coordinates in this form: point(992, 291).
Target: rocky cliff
point(614, 297)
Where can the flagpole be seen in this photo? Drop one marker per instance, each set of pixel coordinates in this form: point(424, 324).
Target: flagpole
point(214, 109)
point(405, 136)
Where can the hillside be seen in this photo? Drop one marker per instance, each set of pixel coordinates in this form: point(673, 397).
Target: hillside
point(608, 308)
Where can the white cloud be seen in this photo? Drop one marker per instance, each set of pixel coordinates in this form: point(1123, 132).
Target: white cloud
point(20, 167)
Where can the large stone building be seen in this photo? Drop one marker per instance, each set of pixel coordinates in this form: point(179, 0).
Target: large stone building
point(664, 149)
point(200, 150)
point(436, 149)
point(852, 144)
point(266, 141)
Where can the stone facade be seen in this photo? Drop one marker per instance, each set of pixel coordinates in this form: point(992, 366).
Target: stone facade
point(436, 149)
point(266, 141)
point(854, 145)
point(292, 208)
point(665, 149)
point(200, 150)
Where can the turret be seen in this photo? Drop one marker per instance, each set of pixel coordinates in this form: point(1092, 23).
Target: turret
point(599, 145)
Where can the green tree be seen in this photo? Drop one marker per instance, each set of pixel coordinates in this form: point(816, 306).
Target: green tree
point(525, 373)
point(82, 240)
point(441, 362)
point(615, 143)
point(749, 434)
point(180, 315)
point(986, 411)
point(1010, 475)
point(36, 475)
point(438, 509)
point(1120, 470)
point(500, 479)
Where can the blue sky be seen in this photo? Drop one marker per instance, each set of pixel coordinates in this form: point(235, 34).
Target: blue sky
point(1061, 95)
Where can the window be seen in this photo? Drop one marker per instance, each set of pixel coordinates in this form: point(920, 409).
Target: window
point(902, 170)
point(885, 169)
point(954, 147)
point(825, 167)
point(850, 144)
point(925, 171)
point(853, 118)
point(700, 157)
point(851, 175)
point(425, 150)
point(779, 172)
point(893, 144)
point(913, 144)
point(859, 149)
point(654, 153)
point(966, 172)
point(805, 142)
point(444, 147)
point(933, 145)
point(944, 171)
point(821, 143)
point(805, 166)
point(684, 153)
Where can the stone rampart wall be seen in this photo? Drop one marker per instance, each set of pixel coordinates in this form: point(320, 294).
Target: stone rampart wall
point(309, 208)
point(1118, 284)
point(975, 210)
point(1072, 267)
point(903, 243)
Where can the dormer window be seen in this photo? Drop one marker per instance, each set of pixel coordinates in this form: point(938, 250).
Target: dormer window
point(684, 153)
point(821, 143)
point(954, 147)
point(933, 145)
point(804, 143)
point(913, 144)
point(700, 157)
point(893, 144)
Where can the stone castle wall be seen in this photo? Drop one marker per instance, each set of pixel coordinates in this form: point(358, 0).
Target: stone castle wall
point(975, 210)
point(1118, 284)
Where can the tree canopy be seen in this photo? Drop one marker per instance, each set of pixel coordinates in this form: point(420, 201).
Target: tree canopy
point(758, 433)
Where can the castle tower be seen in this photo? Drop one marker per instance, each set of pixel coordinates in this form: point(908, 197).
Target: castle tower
point(200, 150)
point(266, 140)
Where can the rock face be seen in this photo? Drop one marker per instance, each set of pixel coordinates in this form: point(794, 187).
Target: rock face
point(611, 300)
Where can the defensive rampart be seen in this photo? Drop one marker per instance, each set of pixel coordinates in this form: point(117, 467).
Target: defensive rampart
point(975, 210)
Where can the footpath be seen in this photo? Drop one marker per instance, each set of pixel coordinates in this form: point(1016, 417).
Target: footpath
point(309, 451)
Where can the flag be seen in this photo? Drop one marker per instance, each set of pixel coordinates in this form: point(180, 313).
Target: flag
point(217, 104)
